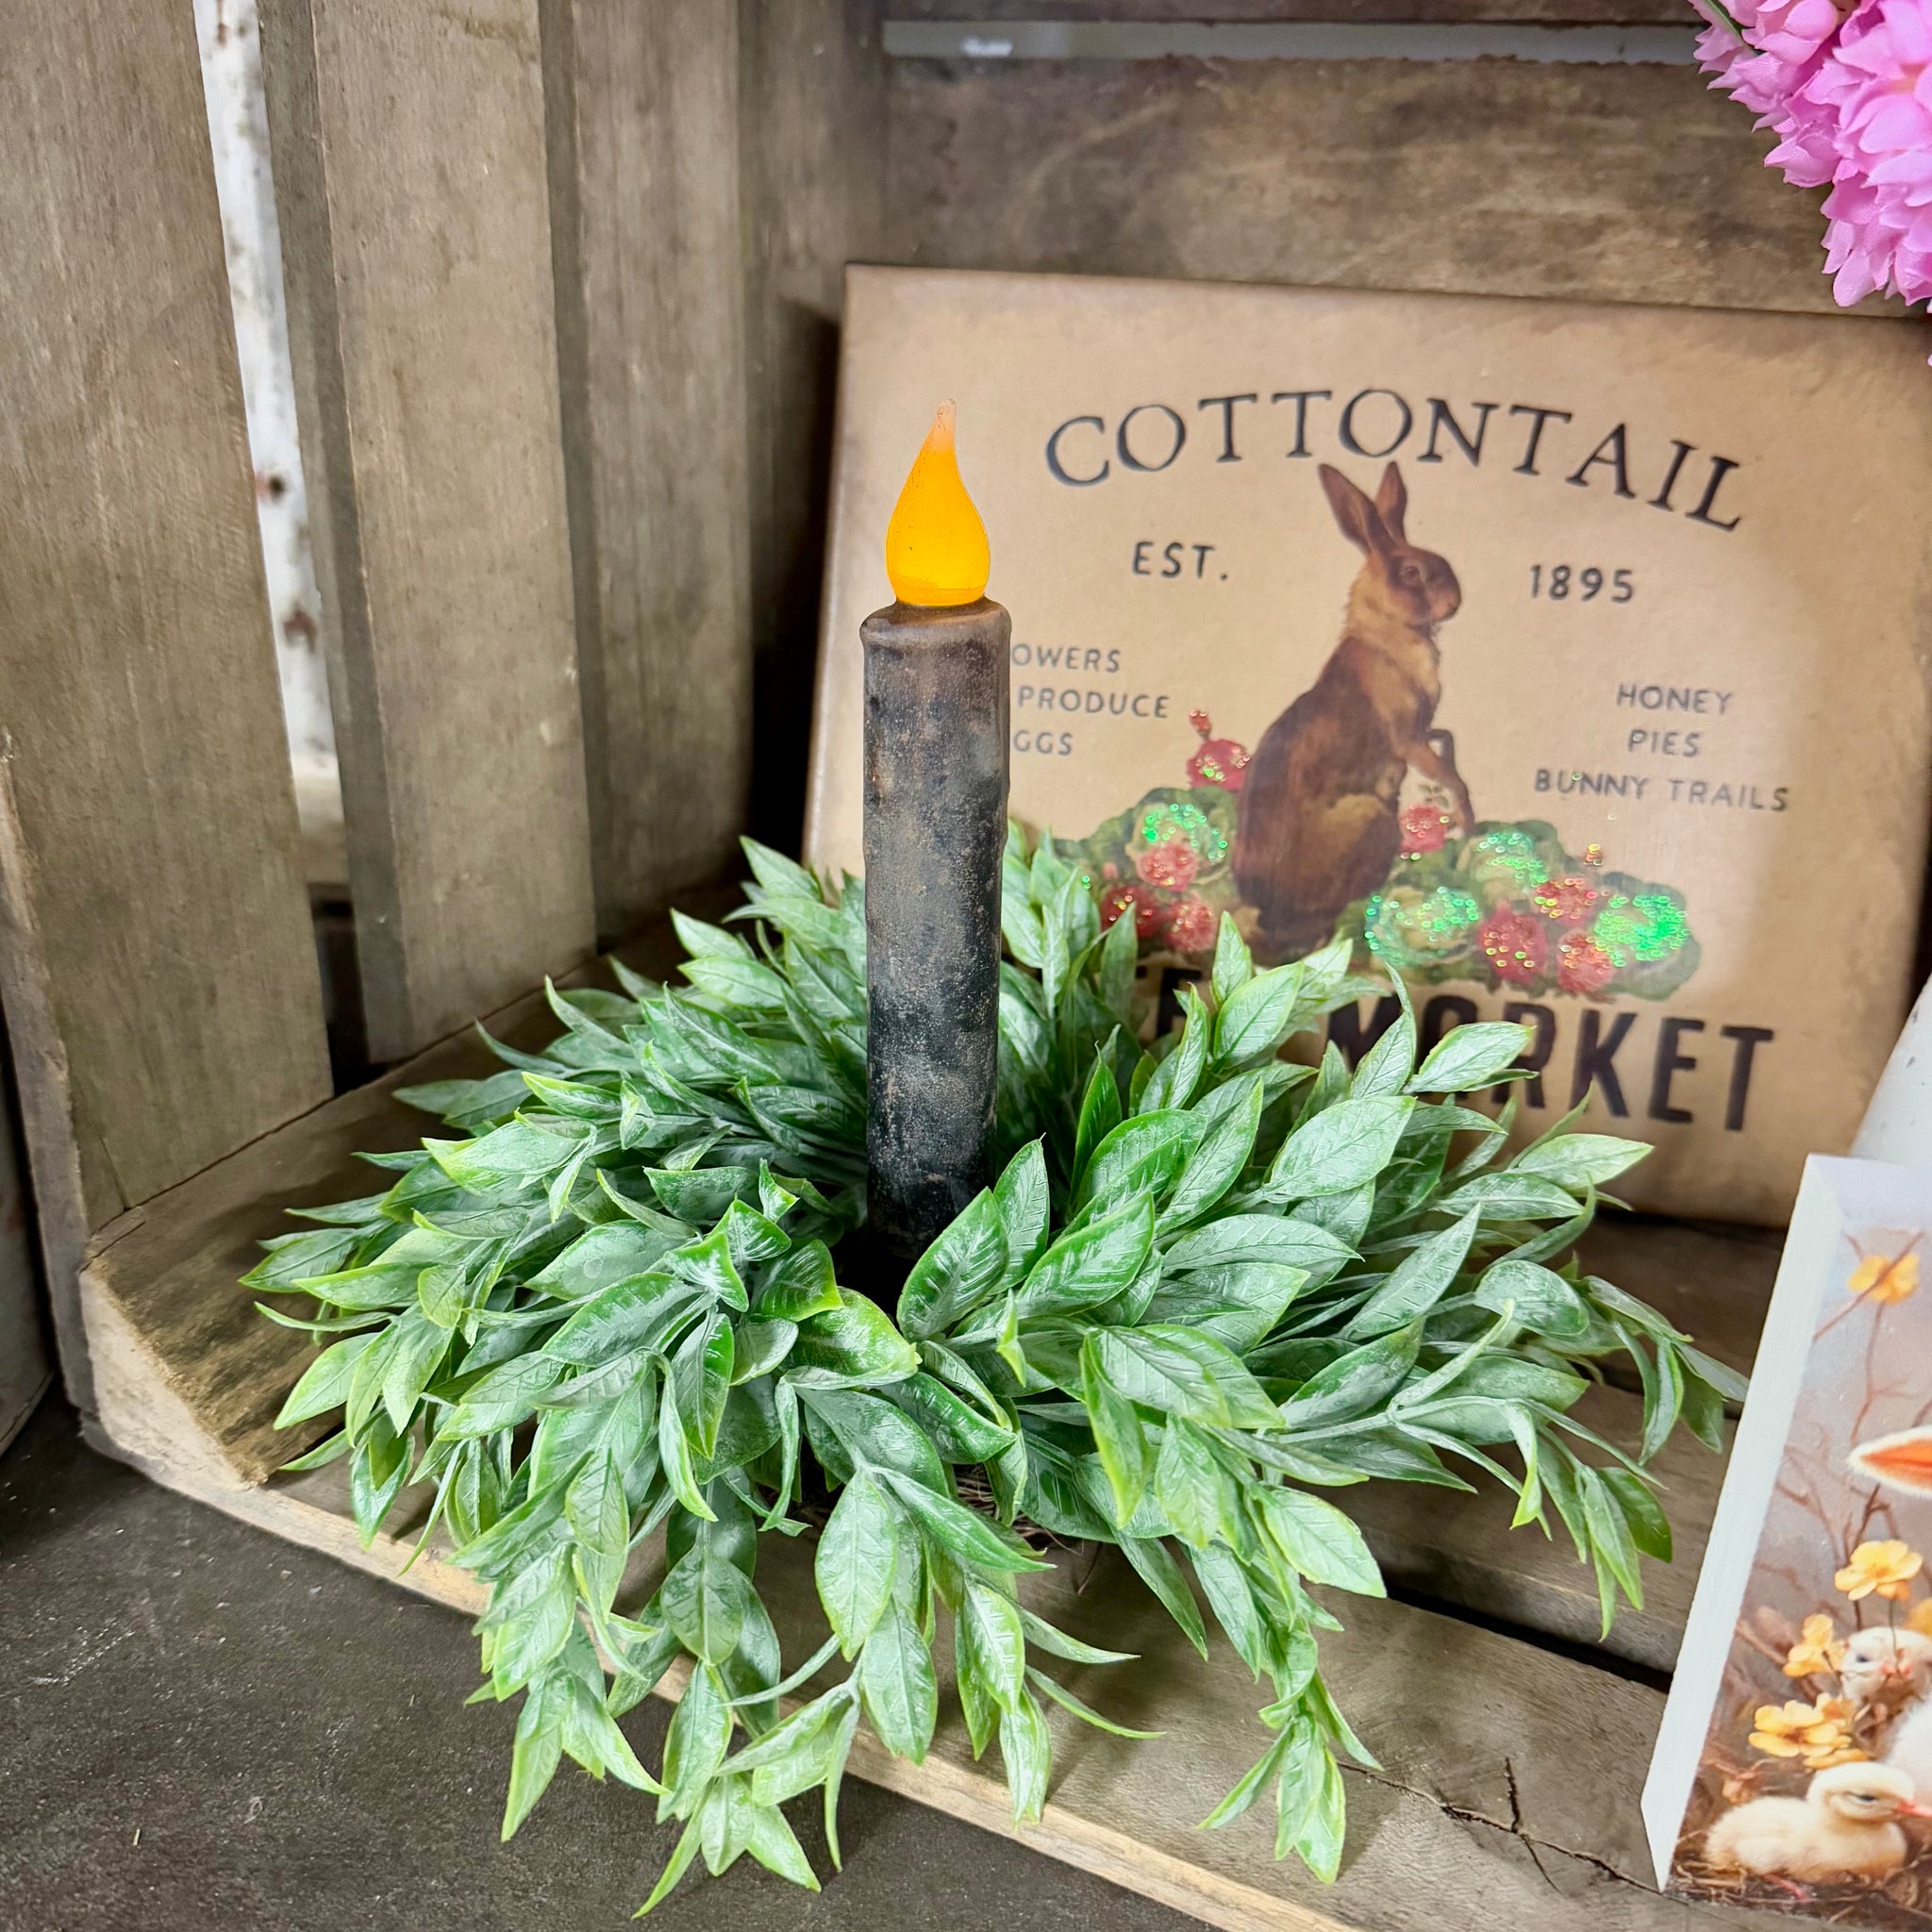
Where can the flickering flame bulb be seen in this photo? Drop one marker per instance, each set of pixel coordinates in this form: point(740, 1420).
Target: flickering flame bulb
point(935, 548)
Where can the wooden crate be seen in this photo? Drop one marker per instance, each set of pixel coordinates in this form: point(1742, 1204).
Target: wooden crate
point(565, 284)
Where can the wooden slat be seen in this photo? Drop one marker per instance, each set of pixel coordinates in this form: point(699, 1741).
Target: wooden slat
point(813, 118)
point(155, 954)
point(1506, 1800)
point(1631, 184)
point(644, 137)
point(1250, 12)
point(410, 178)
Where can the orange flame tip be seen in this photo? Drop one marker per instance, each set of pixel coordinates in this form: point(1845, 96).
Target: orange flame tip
point(936, 549)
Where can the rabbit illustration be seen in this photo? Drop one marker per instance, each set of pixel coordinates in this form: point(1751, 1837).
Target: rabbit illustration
point(1318, 825)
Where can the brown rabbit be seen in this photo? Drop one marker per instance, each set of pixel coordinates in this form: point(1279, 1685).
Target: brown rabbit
point(1318, 825)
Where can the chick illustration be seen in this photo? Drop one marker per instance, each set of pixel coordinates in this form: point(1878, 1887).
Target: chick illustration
point(1844, 1826)
point(1911, 1746)
point(1887, 1667)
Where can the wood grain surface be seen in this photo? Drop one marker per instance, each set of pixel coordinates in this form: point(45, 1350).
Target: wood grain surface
point(813, 123)
point(1251, 13)
point(412, 183)
point(1616, 184)
point(154, 948)
point(643, 116)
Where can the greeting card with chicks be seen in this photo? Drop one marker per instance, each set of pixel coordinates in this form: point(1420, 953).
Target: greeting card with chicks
point(1794, 1765)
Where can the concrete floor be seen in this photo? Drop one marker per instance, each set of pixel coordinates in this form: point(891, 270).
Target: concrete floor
point(205, 1730)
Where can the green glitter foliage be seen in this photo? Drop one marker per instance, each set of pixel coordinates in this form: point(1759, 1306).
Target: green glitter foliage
point(602, 1325)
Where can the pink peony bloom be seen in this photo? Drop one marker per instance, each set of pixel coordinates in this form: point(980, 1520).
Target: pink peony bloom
point(1848, 92)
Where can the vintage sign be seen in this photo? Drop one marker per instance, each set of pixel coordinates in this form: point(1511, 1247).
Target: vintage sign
point(1574, 658)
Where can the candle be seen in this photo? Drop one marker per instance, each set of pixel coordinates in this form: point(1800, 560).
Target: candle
point(935, 828)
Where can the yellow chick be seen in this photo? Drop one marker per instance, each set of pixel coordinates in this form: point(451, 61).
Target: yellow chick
point(1844, 1826)
point(1886, 1667)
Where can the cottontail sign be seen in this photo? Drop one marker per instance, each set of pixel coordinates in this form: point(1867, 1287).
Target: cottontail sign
point(1571, 660)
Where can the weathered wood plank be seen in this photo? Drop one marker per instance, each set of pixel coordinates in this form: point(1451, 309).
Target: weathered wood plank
point(643, 122)
point(1249, 12)
point(1628, 183)
point(1508, 1796)
point(411, 182)
point(155, 947)
point(813, 118)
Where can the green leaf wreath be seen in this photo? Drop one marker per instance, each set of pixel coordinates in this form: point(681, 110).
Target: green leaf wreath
point(1208, 1282)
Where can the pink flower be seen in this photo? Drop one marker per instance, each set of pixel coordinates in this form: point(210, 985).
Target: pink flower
point(1425, 828)
point(1515, 946)
point(1192, 927)
point(1117, 900)
point(1849, 94)
point(1171, 864)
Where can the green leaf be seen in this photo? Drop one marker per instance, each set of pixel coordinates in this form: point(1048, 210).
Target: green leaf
point(799, 1285)
point(1085, 1713)
point(324, 1383)
point(1100, 1112)
point(1312, 1814)
point(1144, 1155)
point(895, 1680)
point(1509, 1196)
point(1042, 1636)
point(1253, 1782)
point(1234, 965)
point(1124, 1452)
point(510, 1151)
point(376, 1472)
point(1195, 1494)
point(961, 1269)
point(854, 1346)
point(1343, 1148)
point(1649, 1529)
point(1178, 1372)
point(705, 1598)
point(701, 1379)
point(1580, 1160)
point(1418, 1283)
point(1235, 1238)
point(535, 1756)
point(1120, 955)
point(1220, 1156)
point(1091, 1264)
point(856, 1555)
point(957, 1431)
point(1020, 1197)
point(960, 1531)
point(1255, 1020)
point(1319, 1540)
point(1543, 1299)
point(1158, 1570)
point(993, 1635)
point(1173, 1082)
point(1387, 1065)
point(504, 1397)
point(761, 1347)
point(1026, 1750)
point(673, 1451)
point(596, 1508)
point(1468, 1057)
